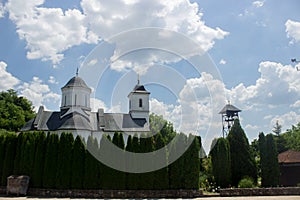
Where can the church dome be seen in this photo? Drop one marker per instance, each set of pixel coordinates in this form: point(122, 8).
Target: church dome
point(76, 82)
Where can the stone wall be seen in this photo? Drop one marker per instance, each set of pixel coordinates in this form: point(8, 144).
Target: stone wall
point(260, 191)
point(119, 194)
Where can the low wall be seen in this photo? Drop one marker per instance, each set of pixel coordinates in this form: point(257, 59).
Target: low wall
point(260, 191)
point(118, 194)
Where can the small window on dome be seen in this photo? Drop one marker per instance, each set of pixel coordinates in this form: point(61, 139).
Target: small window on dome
point(65, 103)
point(140, 103)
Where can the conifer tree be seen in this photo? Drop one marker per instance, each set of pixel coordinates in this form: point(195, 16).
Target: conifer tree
point(176, 169)
point(8, 162)
point(39, 159)
point(192, 164)
point(2, 155)
point(50, 166)
point(90, 166)
point(268, 161)
point(220, 156)
point(161, 176)
point(78, 157)
point(64, 158)
point(242, 161)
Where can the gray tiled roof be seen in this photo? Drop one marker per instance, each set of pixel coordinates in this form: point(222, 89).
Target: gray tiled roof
point(76, 82)
point(52, 121)
point(229, 108)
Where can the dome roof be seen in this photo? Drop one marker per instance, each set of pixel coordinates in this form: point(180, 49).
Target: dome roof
point(76, 82)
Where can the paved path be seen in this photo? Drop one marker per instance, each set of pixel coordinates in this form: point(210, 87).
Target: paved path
point(206, 198)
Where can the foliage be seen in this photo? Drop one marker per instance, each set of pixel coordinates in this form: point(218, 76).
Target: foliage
point(50, 165)
point(289, 139)
point(277, 128)
point(8, 162)
point(268, 161)
point(246, 182)
point(14, 110)
point(221, 163)
point(64, 161)
point(242, 160)
point(39, 159)
point(91, 172)
point(77, 163)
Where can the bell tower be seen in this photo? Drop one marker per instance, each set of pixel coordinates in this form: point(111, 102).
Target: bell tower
point(139, 102)
point(229, 114)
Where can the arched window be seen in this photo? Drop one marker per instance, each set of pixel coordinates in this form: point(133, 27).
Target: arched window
point(65, 103)
point(75, 99)
point(140, 103)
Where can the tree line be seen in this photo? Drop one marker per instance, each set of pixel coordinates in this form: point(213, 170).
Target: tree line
point(233, 159)
point(62, 162)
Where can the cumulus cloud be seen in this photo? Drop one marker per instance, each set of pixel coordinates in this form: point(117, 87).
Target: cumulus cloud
point(38, 93)
point(222, 62)
point(2, 10)
point(277, 85)
point(52, 80)
point(286, 120)
point(258, 4)
point(292, 29)
point(7, 80)
point(48, 32)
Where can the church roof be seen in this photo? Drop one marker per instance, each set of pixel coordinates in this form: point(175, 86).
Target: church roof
point(52, 121)
point(76, 81)
point(140, 89)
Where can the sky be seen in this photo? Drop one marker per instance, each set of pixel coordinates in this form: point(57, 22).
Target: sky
point(193, 56)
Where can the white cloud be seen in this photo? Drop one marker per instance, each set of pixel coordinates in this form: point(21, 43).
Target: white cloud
point(52, 80)
point(258, 4)
point(48, 32)
point(277, 85)
point(38, 93)
point(293, 30)
point(2, 10)
point(7, 80)
point(296, 104)
point(222, 62)
point(286, 120)
point(97, 104)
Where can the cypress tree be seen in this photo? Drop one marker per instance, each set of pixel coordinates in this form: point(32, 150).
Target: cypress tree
point(2, 155)
point(220, 157)
point(64, 158)
point(161, 176)
point(8, 163)
point(242, 161)
point(268, 161)
point(78, 157)
point(39, 159)
point(105, 171)
point(90, 166)
point(176, 169)
point(19, 152)
point(50, 166)
point(192, 164)
point(28, 152)
point(146, 179)
point(128, 182)
point(133, 178)
point(50, 161)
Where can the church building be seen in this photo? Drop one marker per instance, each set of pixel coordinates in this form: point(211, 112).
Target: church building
point(75, 113)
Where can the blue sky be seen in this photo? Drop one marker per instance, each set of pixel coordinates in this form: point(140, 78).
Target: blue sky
point(250, 44)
